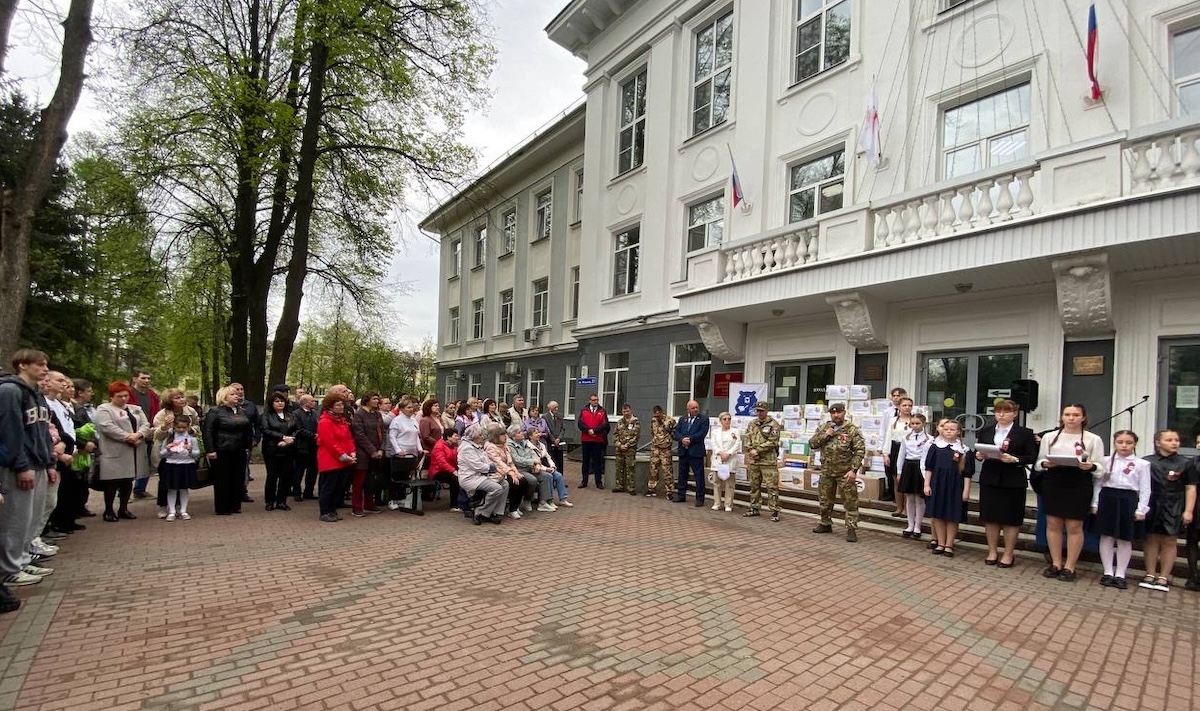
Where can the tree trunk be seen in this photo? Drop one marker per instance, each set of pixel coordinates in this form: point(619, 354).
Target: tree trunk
point(8, 10)
point(293, 296)
point(18, 206)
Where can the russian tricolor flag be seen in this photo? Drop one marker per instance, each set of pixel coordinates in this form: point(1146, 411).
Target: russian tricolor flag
point(1092, 58)
point(738, 196)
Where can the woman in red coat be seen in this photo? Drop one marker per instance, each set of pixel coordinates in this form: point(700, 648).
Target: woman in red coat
point(443, 465)
point(336, 455)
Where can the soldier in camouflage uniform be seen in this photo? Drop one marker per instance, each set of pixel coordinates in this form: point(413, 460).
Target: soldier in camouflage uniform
point(628, 430)
point(760, 447)
point(662, 427)
point(842, 450)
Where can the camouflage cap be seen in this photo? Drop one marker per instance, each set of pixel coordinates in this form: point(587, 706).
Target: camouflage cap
point(837, 407)
point(762, 406)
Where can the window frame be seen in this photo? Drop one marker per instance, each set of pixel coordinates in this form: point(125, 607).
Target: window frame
point(692, 225)
point(819, 186)
point(535, 387)
point(480, 246)
point(508, 228)
point(620, 391)
point(710, 78)
point(451, 390)
point(543, 215)
point(631, 273)
point(502, 386)
point(822, 14)
point(504, 320)
point(456, 258)
point(1190, 80)
point(578, 178)
point(478, 319)
point(636, 126)
point(474, 385)
point(691, 390)
point(455, 318)
point(983, 142)
point(544, 307)
point(574, 295)
point(570, 393)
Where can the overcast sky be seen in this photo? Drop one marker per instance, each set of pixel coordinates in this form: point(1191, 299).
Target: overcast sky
point(534, 80)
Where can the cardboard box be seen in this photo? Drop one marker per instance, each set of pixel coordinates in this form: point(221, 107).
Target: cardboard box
point(811, 427)
point(799, 448)
point(812, 481)
point(791, 412)
point(814, 412)
point(859, 408)
point(870, 486)
point(881, 406)
point(837, 393)
point(860, 392)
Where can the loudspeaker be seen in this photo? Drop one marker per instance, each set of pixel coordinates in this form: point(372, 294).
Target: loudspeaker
point(1025, 394)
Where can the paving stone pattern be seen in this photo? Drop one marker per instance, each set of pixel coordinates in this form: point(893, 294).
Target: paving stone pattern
point(620, 603)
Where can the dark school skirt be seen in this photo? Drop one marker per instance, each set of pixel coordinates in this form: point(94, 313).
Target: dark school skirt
point(178, 476)
point(1004, 505)
point(912, 479)
point(1114, 514)
point(1067, 493)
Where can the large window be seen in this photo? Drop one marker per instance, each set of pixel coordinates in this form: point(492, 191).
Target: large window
point(504, 387)
point(456, 257)
point(569, 391)
point(454, 325)
point(506, 311)
point(510, 230)
point(1179, 390)
point(817, 187)
point(541, 302)
point(800, 383)
point(480, 245)
point(822, 36)
point(631, 144)
point(963, 385)
point(544, 216)
point(474, 385)
point(574, 292)
point(536, 388)
point(477, 319)
point(614, 380)
point(706, 224)
point(1185, 66)
point(626, 259)
point(451, 394)
point(712, 73)
point(579, 195)
point(986, 132)
point(691, 374)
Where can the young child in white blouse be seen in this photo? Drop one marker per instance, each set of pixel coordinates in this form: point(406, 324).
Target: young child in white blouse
point(911, 486)
point(1121, 500)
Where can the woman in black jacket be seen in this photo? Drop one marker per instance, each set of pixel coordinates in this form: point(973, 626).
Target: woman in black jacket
point(279, 432)
point(1003, 482)
point(228, 434)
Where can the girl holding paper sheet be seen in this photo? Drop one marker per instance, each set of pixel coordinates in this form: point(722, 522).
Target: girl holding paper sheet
point(1067, 488)
point(948, 471)
point(1003, 482)
point(724, 461)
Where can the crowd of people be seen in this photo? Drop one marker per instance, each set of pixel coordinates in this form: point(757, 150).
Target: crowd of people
point(500, 460)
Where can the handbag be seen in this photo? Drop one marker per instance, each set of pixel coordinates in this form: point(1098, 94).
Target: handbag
point(93, 481)
point(1036, 478)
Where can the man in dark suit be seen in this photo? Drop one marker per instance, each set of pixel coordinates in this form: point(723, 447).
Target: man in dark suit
point(690, 432)
point(556, 428)
point(306, 448)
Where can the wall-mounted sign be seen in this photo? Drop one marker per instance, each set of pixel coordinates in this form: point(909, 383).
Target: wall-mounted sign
point(1087, 365)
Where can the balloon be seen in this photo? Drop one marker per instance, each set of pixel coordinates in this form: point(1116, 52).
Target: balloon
point(948, 402)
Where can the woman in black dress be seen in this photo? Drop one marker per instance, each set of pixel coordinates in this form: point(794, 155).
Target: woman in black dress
point(280, 430)
point(1067, 487)
point(228, 434)
point(1003, 482)
point(1172, 500)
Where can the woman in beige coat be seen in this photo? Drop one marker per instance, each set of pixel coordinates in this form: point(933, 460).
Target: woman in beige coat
point(124, 434)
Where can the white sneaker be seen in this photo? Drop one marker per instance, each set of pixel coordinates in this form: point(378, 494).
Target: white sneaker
point(393, 505)
point(566, 503)
point(21, 578)
point(37, 570)
point(185, 516)
point(162, 511)
point(729, 508)
point(545, 506)
point(716, 507)
point(526, 507)
point(514, 514)
point(42, 548)
point(170, 517)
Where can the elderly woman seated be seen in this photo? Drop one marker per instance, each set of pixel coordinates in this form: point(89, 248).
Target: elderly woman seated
point(528, 463)
point(521, 487)
point(538, 444)
point(476, 472)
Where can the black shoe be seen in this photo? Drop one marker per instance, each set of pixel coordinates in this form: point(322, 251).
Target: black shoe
point(1122, 584)
point(679, 500)
point(906, 534)
point(110, 516)
point(77, 527)
point(1106, 581)
point(699, 502)
point(583, 485)
point(1004, 565)
point(496, 519)
point(270, 507)
point(752, 513)
point(600, 488)
point(823, 528)
point(1067, 576)
point(1191, 584)
point(479, 520)
point(126, 513)
point(632, 492)
point(309, 496)
point(1051, 572)
point(774, 517)
point(619, 490)
point(283, 507)
point(87, 514)
point(246, 499)
point(8, 601)
point(851, 536)
point(990, 561)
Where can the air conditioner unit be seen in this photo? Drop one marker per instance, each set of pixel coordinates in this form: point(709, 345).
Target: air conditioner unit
point(530, 335)
point(512, 368)
point(458, 374)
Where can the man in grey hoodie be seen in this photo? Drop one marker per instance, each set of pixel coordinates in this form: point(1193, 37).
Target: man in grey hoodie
point(26, 465)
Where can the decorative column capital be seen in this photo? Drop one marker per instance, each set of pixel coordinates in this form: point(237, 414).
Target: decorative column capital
point(863, 319)
point(723, 338)
point(1084, 286)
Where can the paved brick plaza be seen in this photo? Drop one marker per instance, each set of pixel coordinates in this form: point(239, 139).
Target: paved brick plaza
point(621, 603)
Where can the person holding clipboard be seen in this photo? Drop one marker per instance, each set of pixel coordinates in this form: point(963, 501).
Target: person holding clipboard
point(1071, 458)
point(1005, 449)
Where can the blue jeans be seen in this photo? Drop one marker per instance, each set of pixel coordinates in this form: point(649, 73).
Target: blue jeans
point(560, 485)
point(696, 464)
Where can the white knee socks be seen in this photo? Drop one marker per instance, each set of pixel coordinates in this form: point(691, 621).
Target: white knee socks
point(183, 499)
point(1124, 553)
point(1107, 552)
point(914, 508)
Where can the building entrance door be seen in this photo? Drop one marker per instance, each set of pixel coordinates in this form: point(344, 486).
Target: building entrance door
point(963, 385)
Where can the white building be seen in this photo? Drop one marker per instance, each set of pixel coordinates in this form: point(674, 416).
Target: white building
point(1015, 228)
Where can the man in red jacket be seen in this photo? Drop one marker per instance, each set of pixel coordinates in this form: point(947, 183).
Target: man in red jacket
point(593, 434)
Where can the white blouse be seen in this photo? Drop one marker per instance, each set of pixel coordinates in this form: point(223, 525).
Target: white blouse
point(724, 442)
point(916, 445)
point(1084, 444)
point(1128, 473)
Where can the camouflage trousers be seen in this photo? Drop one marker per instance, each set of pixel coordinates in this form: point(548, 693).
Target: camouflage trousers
point(625, 462)
point(661, 462)
point(829, 488)
point(761, 475)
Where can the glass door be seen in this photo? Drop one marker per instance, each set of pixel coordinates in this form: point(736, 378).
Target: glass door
point(963, 385)
point(800, 383)
point(1179, 391)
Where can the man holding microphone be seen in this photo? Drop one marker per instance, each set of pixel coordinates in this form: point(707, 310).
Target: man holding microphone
point(842, 450)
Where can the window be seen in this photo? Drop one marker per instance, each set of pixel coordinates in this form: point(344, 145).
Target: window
point(579, 195)
point(1185, 65)
point(454, 324)
point(631, 143)
point(480, 244)
point(456, 257)
point(816, 187)
point(800, 383)
point(474, 384)
point(574, 292)
point(614, 380)
point(691, 373)
point(510, 231)
point(962, 385)
point(712, 74)
point(625, 263)
point(1178, 385)
point(541, 302)
point(451, 390)
point(544, 216)
point(572, 384)
point(986, 132)
point(506, 311)
point(537, 386)
point(706, 224)
point(477, 319)
point(944, 5)
point(504, 386)
point(822, 36)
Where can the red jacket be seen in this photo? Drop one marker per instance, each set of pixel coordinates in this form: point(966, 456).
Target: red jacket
point(597, 421)
point(333, 440)
point(444, 458)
